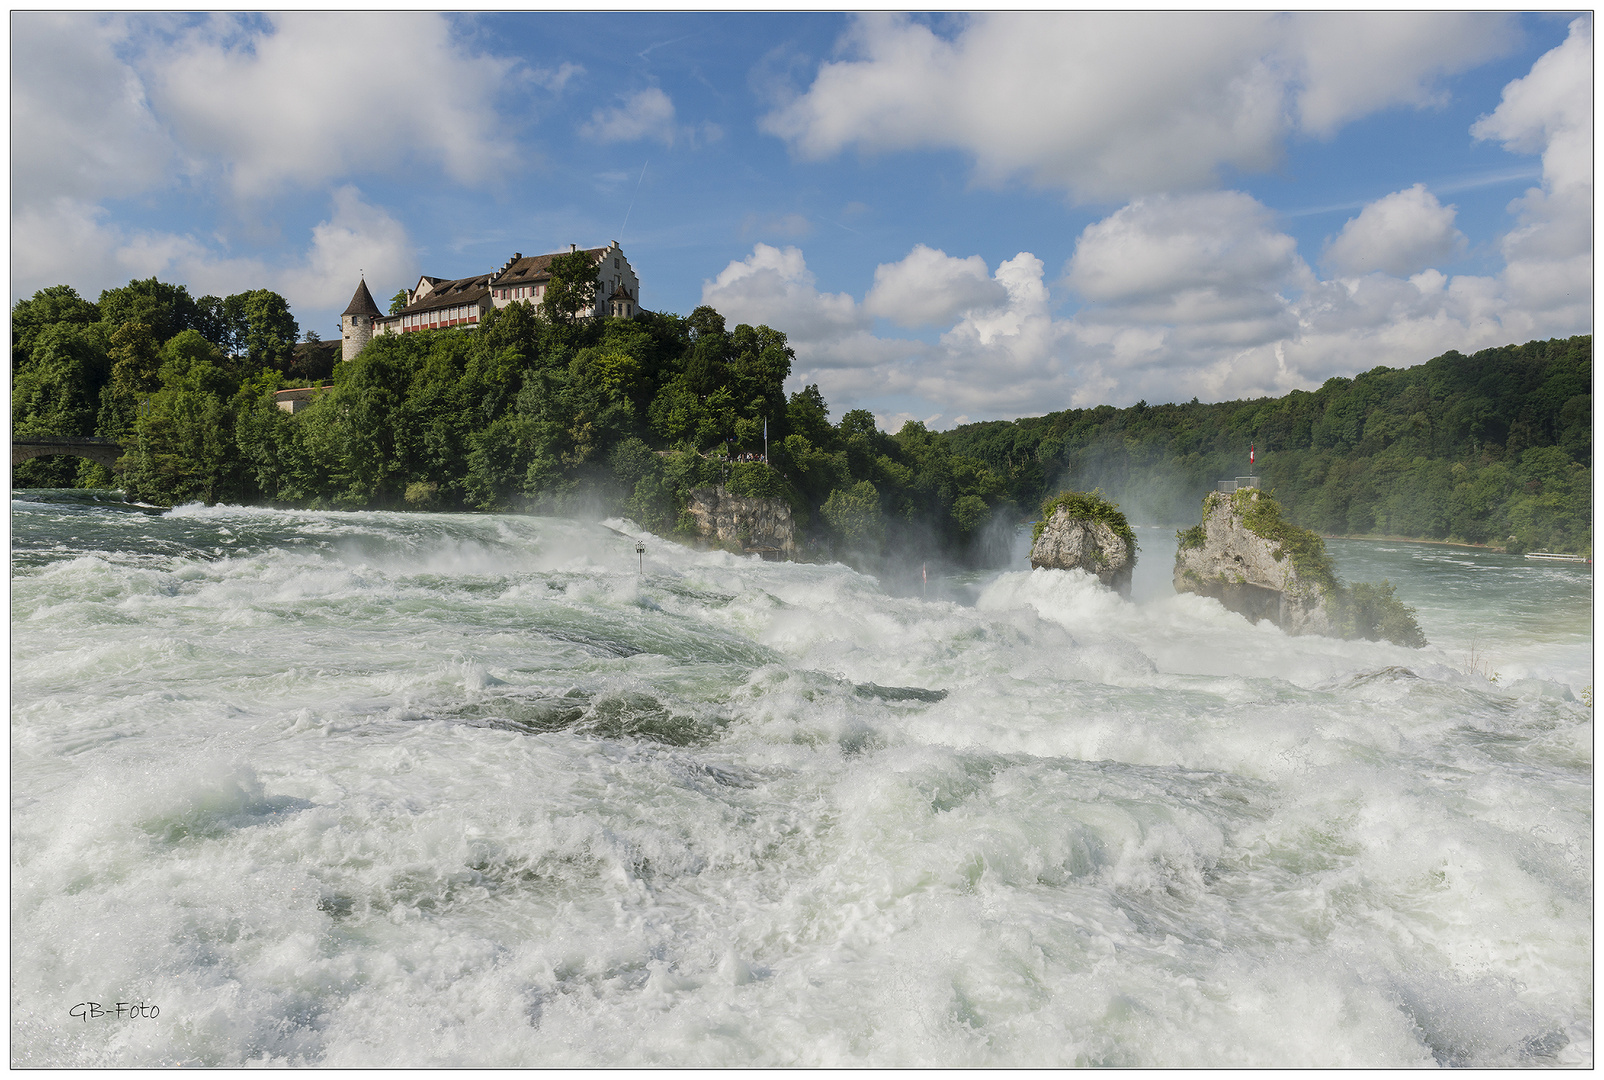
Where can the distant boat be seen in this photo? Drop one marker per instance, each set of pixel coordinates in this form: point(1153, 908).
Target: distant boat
point(1550, 556)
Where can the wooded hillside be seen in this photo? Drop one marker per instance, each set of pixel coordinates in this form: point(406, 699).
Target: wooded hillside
point(1476, 448)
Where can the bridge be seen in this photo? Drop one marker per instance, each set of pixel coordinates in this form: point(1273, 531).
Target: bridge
point(101, 451)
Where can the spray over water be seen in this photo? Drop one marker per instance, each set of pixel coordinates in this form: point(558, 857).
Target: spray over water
point(368, 789)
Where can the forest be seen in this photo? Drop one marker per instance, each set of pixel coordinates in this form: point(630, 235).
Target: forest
point(540, 411)
point(1494, 448)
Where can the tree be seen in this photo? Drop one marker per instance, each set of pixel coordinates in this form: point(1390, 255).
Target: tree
point(212, 321)
point(854, 515)
point(30, 318)
point(135, 375)
point(166, 309)
point(269, 331)
point(398, 301)
point(703, 322)
point(572, 288)
point(807, 414)
point(187, 448)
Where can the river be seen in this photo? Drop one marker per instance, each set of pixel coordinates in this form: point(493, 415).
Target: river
point(368, 789)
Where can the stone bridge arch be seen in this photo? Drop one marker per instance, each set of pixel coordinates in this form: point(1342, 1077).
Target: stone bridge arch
point(101, 451)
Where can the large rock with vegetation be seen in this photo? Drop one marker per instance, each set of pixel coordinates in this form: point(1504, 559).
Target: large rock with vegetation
point(1081, 530)
point(1255, 562)
point(760, 523)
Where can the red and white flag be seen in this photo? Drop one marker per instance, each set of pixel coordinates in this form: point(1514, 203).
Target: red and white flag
point(1250, 453)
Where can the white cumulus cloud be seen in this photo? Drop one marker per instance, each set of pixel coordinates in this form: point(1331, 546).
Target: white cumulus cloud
point(1108, 105)
point(91, 253)
point(775, 286)
point(1398, 234)
point(1352, 63)
point(301, 98)
point(81, 126)
point(648, 114)
point(1549, 254)
point(358, 237)
point(931, 288)
point(1210, 268)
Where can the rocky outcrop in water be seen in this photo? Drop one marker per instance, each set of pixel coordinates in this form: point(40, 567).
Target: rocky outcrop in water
point(760, 524)
point(1082, 531)
point(1248, 558)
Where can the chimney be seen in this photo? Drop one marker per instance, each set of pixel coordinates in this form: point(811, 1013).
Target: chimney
point(572, 248)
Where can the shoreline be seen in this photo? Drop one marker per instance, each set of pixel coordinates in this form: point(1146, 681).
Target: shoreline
point(1417, 540)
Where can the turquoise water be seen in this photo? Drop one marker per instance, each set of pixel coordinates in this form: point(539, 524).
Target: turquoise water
point(391, 789)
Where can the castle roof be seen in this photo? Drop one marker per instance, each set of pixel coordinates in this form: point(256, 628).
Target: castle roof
point(362, 302)
point(532, 269)
point(450, 293)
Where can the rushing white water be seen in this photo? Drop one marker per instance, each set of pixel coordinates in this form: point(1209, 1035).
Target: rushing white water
point(401, 789)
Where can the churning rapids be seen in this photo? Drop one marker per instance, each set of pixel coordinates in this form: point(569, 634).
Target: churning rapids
point(401, 789)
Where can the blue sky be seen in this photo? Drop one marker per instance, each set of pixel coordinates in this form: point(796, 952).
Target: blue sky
point(953, 217)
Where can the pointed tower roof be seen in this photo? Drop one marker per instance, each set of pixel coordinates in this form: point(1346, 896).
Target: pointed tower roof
point(362, 301)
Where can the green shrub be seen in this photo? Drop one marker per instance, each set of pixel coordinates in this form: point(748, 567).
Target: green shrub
point(1373, 612)
point(754, 479)
point(854, 514)
point(421, 493)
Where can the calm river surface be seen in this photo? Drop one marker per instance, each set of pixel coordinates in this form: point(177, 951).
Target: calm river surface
point(364, 789)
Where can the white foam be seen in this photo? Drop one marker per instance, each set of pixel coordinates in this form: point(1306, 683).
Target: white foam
point(316, 796)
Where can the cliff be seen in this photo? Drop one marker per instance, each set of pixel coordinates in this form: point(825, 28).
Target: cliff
point(1083, 531)
point(762, 524)
point(1244, 555)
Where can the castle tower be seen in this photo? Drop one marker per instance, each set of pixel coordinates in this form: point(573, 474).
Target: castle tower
point(356, 322)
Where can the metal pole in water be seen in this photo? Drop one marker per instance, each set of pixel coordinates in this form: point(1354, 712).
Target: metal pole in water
point(640, 550)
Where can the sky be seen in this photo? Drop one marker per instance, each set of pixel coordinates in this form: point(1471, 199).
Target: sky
point(952, 217)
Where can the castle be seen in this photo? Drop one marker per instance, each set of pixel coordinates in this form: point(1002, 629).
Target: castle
point(437, 303)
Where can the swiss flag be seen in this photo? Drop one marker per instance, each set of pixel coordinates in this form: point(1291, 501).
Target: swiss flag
point(1250, 453)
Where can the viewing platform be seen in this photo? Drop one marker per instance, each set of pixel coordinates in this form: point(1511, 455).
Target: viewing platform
point(1239, 482)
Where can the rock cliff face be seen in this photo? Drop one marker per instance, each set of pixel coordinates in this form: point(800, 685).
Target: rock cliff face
point(759, 524)
point(1255, 575)
point(1069, 541)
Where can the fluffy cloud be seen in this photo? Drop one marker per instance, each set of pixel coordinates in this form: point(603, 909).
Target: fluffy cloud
point(1110, 105)
point(1353, 63)
point(81, 127)
point(301, 98)
point(829, 331)
point(931, 288)
point(1208, 268)
point(358, 236)
point(647, 114)
point(775, 286)
point(1549, 255)
point(1399, 234)
point(87, 251)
